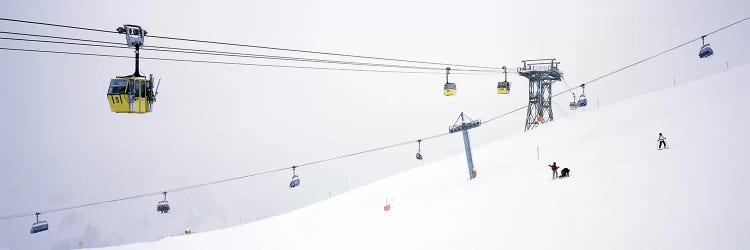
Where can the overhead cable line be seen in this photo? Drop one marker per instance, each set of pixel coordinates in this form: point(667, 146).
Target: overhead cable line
point(256, 46)
point(351, 154)
point(222, 62)
point(654, 56)
point(218, 53)
point(183, 188)
point(373, 149)
point(57, 25)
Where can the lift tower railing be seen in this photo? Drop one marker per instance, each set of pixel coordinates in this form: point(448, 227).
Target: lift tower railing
point(463, 126)
point(541, 74)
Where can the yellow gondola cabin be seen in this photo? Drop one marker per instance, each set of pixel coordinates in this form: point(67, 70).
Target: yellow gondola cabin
point(503, 88)
point(449, 89)
point(131, 94)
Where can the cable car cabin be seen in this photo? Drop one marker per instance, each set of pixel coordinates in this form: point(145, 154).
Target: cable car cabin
point(39, 226)
point(706, 51)
point(449, 89)
point(419, 156)
point(131, 94)
point(162, 207)
point(503, 88)
point(573, 106)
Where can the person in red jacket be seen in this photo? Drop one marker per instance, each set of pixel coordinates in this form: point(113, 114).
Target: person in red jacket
point(554, 170)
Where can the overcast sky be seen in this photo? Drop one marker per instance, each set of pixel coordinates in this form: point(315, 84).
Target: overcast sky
point(60, 145)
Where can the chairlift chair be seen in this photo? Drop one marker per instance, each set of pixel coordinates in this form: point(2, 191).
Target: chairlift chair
point(582, 99)
point(706, 50)
point(449, 88)
point(39, 226)
point(163, 206)
point(295, 178)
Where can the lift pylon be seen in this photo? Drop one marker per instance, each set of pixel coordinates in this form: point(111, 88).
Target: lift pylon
point(541, 74)
point(463, 124)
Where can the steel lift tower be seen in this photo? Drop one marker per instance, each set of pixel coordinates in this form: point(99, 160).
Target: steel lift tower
point(541, 74)
point(463, 124)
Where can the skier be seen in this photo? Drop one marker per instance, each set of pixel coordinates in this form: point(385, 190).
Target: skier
point(565, 173)
point(554, 170)
point(662, 141)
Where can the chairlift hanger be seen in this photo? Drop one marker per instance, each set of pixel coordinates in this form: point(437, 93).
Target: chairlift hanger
point(419, 149)
point(573, 104)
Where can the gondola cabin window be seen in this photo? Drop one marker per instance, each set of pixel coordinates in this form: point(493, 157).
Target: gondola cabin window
point(117, 86)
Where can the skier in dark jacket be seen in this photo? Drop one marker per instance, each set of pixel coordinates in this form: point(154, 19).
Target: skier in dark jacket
point(662, 141)
point(554, 170)
point(565, 173)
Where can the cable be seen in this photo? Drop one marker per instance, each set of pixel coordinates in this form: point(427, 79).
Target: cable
point(371, 150)
point(57, 25)
point(654, 56)
point(58, 37)
point(332, 158)
point(221, 62)
point(178, 189)
point(256, 46)
point(219, 53)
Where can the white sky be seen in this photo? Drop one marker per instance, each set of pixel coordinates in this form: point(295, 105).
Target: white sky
point(60, 145)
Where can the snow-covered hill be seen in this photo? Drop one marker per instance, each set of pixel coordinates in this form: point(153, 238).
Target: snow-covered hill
point(623, 193)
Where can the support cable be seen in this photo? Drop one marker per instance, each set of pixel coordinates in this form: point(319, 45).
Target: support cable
point(220, 62)
point(220, 53)
point(183, 188)
point(252, 46)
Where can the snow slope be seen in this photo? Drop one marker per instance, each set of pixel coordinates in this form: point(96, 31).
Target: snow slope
point(623, 193)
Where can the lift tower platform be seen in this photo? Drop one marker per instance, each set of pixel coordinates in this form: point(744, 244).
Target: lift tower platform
point(541, 74)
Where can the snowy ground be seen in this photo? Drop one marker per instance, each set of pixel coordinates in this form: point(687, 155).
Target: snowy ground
point(623, 193)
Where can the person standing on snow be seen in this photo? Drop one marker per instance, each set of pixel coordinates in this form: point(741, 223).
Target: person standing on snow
point(554, 170)
point(662, 141)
